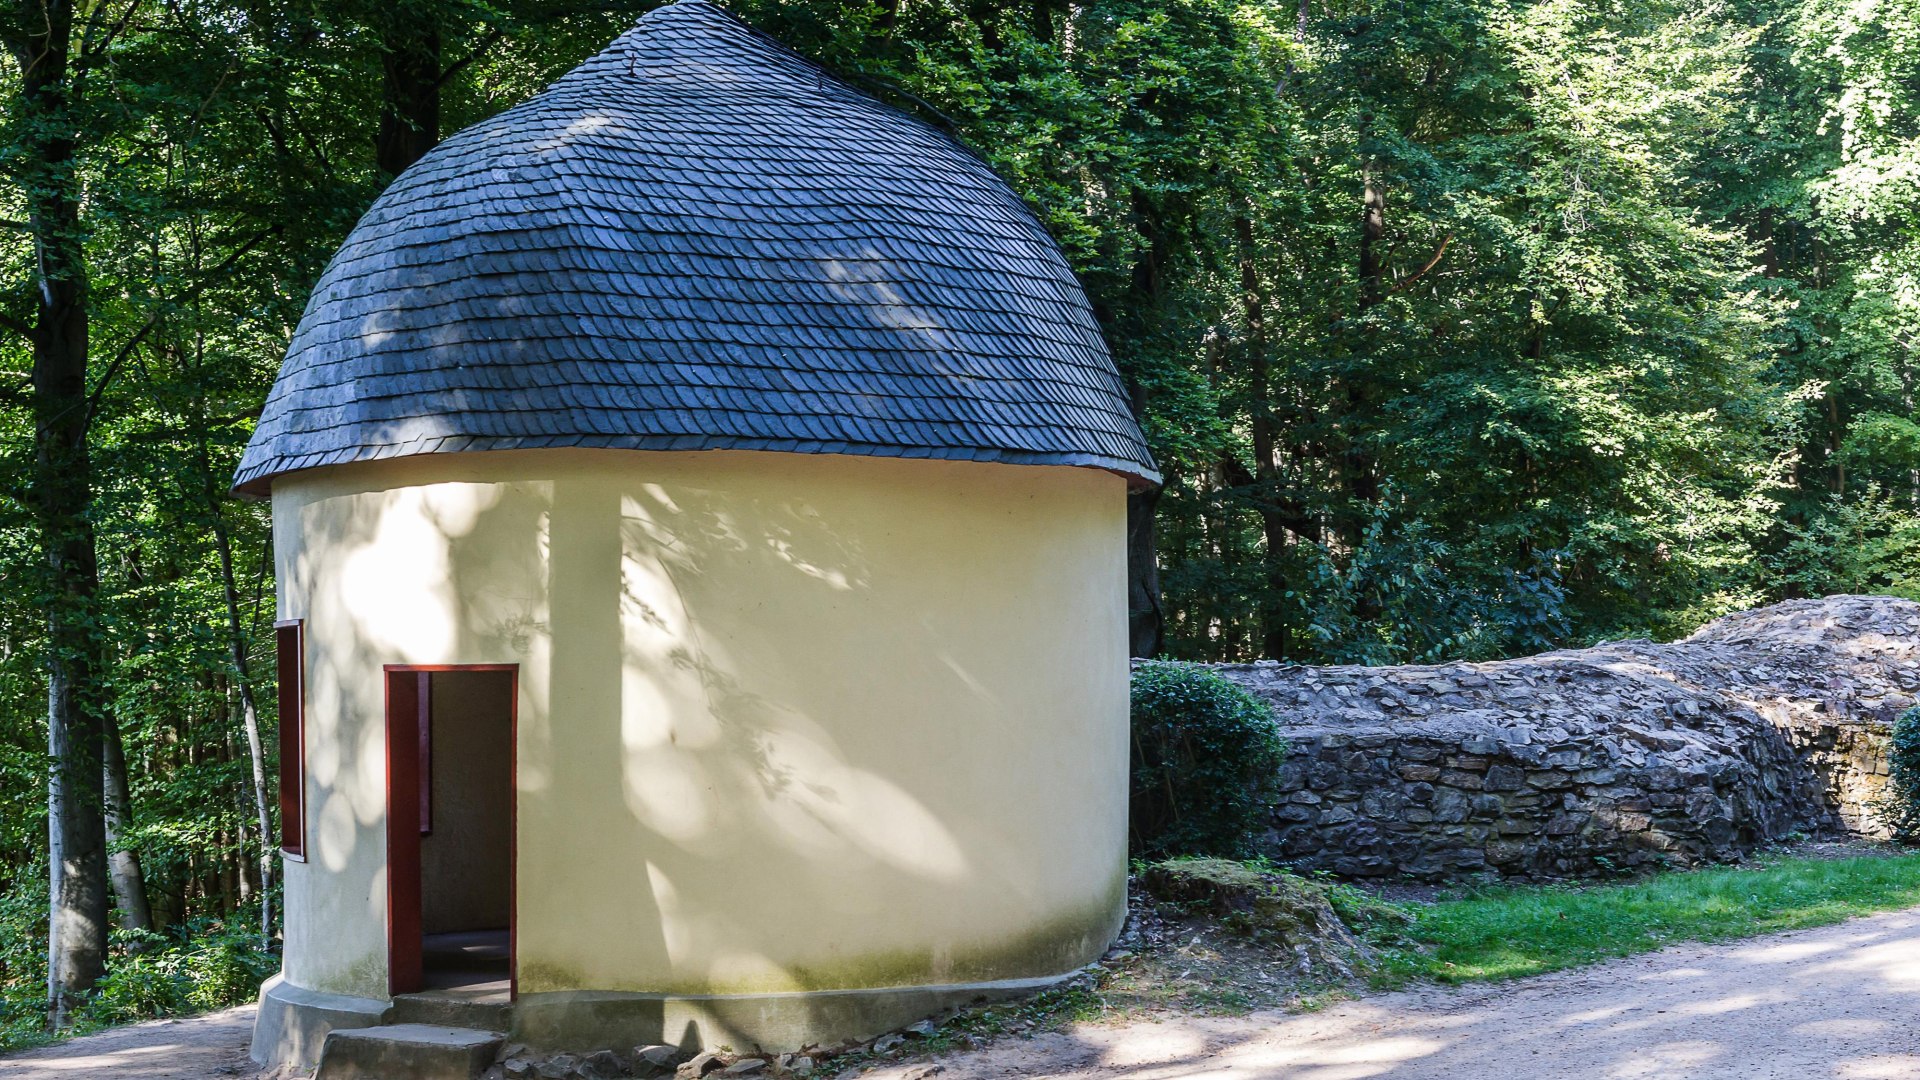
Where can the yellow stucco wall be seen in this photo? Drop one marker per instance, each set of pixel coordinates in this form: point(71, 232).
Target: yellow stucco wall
point(785, 721)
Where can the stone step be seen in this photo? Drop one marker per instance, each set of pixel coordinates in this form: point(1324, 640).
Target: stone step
point(408, 1052)
point(452, 1008)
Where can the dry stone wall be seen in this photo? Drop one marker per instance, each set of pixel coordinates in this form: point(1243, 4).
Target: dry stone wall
point(1763, 724)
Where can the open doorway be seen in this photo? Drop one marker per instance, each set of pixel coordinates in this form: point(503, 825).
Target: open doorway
point(450, 829)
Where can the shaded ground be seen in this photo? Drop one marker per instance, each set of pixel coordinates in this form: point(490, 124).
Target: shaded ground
point(1836, 1002)
point(214, 1045)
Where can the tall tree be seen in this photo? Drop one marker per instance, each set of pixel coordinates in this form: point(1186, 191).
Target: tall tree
point(40, 36)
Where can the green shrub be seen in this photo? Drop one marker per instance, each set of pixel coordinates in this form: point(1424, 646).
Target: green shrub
point(1901, 807)
point(1206, 763)
point(207, 967)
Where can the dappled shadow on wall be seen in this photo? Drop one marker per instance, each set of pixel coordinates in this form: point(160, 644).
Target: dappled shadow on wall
point(723, 747)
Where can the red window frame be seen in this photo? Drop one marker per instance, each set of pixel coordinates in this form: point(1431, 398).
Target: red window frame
point(290, 657)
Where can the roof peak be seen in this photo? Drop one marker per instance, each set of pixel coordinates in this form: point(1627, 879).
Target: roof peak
point(648, 47)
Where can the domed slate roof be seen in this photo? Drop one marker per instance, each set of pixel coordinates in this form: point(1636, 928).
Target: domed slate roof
point(698, 240)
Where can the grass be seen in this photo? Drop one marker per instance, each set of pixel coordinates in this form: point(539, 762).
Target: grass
point(1510, 931)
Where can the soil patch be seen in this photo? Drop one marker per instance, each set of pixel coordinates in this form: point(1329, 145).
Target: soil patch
point(194, 1048)
point(1837, 1002)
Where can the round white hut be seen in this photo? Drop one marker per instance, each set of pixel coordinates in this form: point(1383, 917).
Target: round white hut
point(699, 518)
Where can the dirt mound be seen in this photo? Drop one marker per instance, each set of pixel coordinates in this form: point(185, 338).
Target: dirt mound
point(1283, 912)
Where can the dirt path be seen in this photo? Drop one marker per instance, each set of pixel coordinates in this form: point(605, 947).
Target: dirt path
point(214, 1045)
point(1841, 1002)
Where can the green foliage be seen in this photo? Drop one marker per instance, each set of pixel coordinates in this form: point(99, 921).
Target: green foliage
point(203, 966)
point(1401, 598)
point(1206, 762)
point(1379, 922)
point(1901, 806)
point(23, 958)
point(1510, 931)
point(198, 967)
point(1867, 544)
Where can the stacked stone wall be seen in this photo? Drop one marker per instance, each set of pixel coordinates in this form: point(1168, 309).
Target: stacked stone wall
point(1764, 725)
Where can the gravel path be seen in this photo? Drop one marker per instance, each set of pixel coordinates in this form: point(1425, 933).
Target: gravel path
point(1840, 1002)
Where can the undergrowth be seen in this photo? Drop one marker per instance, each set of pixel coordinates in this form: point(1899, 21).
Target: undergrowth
point(199, 967)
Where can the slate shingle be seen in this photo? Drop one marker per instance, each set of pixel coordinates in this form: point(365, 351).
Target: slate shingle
point(698, 240)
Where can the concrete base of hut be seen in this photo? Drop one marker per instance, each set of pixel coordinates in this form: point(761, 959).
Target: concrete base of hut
point(294, 1023)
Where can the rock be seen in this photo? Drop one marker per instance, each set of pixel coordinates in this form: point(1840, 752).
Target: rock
point(701, 1064)
point(886, 1043)
point(922, 1030)
point(745, 1067)
point(1505, 778)
point(801, 1064)
point(517, 1068)
point(655, 1059)
point(602, 1065)
point(1282, 911)
point(559, 1067)
point(1764, 724)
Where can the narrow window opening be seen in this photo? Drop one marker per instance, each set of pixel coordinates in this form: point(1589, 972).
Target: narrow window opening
point(290, 656)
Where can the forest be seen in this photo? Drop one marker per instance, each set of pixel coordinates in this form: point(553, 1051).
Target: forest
point(1460, 329)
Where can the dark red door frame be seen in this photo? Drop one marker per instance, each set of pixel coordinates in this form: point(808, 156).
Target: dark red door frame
point(290, 664)
point(408, 697)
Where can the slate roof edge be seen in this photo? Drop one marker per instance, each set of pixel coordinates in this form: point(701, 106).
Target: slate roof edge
point(257, 483)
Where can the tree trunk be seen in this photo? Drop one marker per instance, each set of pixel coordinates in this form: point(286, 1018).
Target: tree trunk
point(985, 17)
point(249, 715)
point(1358, 469)
point(1836, 437)
point(410, 88)
point(210, 487)
point(1268, 496)
point(1145, 624)
point(1046, 18)
point(61, 495)
point(1373, 229)
point(1146, 292)
point(1907, 401)
point(123, 864)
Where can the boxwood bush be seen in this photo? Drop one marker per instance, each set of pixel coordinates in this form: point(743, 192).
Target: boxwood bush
point(1206, 763)
point(1902, 800)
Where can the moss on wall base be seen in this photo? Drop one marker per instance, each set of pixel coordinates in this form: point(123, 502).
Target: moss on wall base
point(819, 1006)
point(762, 1023)
point(1061, 944)
point(293, 1023)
